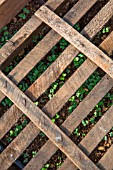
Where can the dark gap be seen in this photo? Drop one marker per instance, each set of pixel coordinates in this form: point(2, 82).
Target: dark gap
point(105, 31)
point(67, 5)
point(14, 167)
point(5, 105)
point(55, 161)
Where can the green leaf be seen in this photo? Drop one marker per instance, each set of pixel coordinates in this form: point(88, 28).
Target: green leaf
point(53, 120)
point(26, 10)
point(57, 116)
point(36, 103)
point(23, 16)
point(11, 132)
point(105, 138)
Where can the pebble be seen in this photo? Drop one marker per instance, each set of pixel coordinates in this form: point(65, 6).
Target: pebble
point(101, 148)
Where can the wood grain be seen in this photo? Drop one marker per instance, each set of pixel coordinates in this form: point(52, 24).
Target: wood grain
point(9, 9)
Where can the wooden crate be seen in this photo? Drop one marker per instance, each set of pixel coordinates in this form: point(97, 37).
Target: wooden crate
point(77, 156)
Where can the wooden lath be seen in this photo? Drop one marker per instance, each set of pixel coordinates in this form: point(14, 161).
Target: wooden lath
point(7, 11)
point(55, 104)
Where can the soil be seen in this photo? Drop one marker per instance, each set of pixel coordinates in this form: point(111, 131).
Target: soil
point(57, 159)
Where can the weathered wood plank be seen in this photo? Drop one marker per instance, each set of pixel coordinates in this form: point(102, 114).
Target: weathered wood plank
point(68, 165)
point(43, 123)
point(106, 162)
point(76, 39)
point(96, 22)
point(14, 46)
point(9, 9)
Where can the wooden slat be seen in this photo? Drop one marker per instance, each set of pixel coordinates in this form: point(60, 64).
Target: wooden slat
point(70, 166)
point(14, 46)
point(106, 162)
point(6, 122)
point(76, 39)
point(43, 123)
point(19, 72)
point(9, 9)
point(67, 165)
